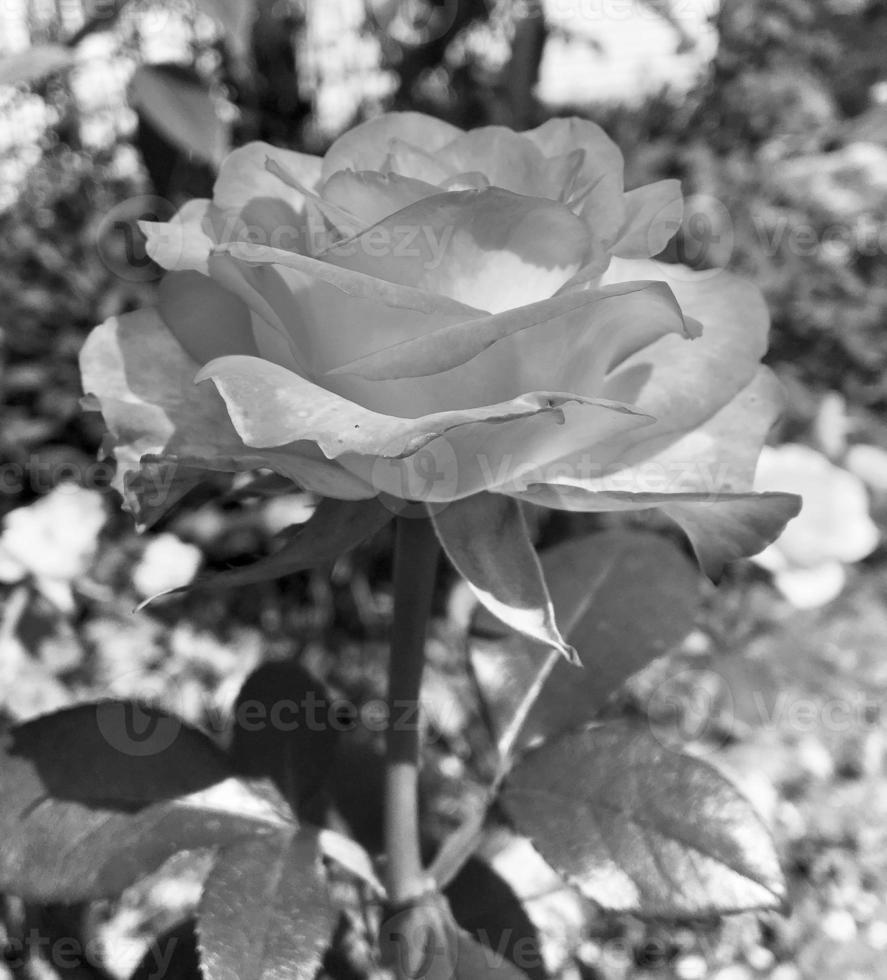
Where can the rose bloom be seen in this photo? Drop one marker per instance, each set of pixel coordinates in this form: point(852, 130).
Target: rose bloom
point(440, 315)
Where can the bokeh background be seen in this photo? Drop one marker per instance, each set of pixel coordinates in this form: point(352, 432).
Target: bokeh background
point(773, 114)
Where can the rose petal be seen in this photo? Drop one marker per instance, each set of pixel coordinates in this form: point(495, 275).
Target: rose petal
point(477, 457)
point(207, 320)
point(732, 527)
point(340, 220)
point(490, 248)
point(473, 180)
point(682, 384)
point(485, 537)
point(270, 406)
point(328, 314)
point(653, 215)
point(268, 298)
point(371, 196)
point(410, 161)
point(252, 201)
point(556, 137)
point(608, 325)
point(249, 203)
point(564, 349)
point(245, 181)
point(353, 283)
point(698, 480)
point(562, 174)
point(183, 242)
point(722, 527)
point(142, 380)
point(365, 147)
point(598, 185)
point(506, 158)
point(716, 456)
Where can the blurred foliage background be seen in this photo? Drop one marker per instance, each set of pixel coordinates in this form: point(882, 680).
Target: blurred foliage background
point(773, 113)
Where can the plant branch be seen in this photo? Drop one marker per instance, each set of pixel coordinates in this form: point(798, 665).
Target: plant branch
point(461, 844)
point(415, 564)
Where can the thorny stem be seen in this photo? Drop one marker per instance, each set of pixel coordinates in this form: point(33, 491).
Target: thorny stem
point(415, 564)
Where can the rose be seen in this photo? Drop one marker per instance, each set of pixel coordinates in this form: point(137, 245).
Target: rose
point(461, 318)
point(833, 529)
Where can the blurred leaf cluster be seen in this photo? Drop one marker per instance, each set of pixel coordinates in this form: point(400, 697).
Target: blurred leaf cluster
point(782, 150)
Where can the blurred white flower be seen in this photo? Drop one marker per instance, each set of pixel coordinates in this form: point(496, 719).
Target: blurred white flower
point(869, 463)
point(832, 425)
point(54, 541)
point(833, 529)
point(167, 563)
point(284, 510)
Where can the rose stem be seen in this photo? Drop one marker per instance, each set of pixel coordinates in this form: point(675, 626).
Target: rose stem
point(415, 564)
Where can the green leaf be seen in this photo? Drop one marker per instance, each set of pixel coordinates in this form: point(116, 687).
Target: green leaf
point(95, 796)
point(284, 729)
point(640, 828)
point(265, 912)
point(182, 109)
point(485, 537)
point(488, 905)
point(33, 64)
point(622, 598)
point(336, 526)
